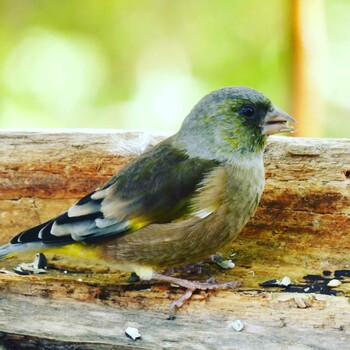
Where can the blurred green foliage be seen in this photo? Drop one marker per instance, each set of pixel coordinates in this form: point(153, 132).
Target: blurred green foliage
point(337, 68)
point(135, 63)
point(144, 63)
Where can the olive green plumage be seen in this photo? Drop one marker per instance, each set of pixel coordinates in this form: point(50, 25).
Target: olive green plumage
point(180, 201)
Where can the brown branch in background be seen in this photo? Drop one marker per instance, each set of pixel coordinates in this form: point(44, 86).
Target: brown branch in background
point(309, 65)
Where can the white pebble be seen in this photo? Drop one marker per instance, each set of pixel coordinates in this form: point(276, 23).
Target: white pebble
point(133, 333)
point(237, 325)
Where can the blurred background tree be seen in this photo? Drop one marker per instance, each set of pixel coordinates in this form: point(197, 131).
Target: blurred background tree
point(144, 63)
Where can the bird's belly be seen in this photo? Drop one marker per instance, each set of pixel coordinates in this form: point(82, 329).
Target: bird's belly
point(168, 245)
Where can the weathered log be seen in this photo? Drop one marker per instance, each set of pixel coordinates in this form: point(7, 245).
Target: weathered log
point(301, 228)
point(272, 321)
point(307, 192)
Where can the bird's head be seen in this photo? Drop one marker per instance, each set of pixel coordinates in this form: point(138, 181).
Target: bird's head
point(232, 120)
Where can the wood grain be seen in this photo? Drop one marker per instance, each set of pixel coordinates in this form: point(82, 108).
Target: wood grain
point(272, 321)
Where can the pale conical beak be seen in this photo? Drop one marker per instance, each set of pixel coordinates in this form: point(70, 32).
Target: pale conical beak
point(276, 121)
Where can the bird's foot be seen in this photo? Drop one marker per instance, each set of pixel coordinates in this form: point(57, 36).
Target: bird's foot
point(193, 269)
point(197, 268)
point(190, 286)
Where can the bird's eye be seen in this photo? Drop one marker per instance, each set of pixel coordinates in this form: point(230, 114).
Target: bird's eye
point(247, 111)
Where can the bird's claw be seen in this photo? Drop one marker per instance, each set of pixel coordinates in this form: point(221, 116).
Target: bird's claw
point(191, 286)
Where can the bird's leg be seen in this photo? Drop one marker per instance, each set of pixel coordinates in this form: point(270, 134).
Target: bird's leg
point(190, 286)
point(191, 269)
point(196, 268)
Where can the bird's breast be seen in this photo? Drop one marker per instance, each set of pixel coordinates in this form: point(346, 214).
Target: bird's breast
point(243, 192)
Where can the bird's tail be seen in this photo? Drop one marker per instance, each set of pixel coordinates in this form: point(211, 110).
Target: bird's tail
point(10, 249)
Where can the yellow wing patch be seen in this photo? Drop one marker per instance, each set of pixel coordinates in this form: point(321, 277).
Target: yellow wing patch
point(138, 223)
point(77, 250)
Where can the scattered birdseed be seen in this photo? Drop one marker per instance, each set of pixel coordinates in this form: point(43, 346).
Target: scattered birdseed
point(40, 261)
point(342, 273)
point(285, 281)
point(38, 266)
point(270, 283)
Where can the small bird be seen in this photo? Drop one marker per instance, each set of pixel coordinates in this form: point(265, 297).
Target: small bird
point(177, 203)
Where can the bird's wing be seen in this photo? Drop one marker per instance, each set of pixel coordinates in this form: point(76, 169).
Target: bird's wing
point(155, 188)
